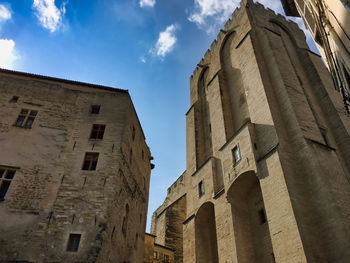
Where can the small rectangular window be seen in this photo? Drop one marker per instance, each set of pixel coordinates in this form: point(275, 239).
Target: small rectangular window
point(201, 188)
point(90, 161)
point(236, 154)
point(262, 216)
point(166, 258)
point(95, 109)
point(73, 242)
point(155, 255)
point(6, 176)
point(26, 118)
point(14, 99)
point(97, 131)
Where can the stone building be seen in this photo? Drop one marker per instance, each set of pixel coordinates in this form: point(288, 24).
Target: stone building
point(155, 253)
point(268, 156)
point(329, 24)
point(74, 172)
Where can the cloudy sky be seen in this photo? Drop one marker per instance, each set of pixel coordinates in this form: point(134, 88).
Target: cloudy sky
point(149, 47)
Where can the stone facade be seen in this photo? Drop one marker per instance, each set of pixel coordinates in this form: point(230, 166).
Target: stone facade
point(267, 176)
point(55, 191)
point(328, 21)
point(155, 253)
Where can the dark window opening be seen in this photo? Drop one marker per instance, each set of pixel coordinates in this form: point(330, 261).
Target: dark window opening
point(26, 118)
point(318, 38)
point(130, 156)
point(136, 240)
point(6, 177)
point(236, 155)
point(97, 131)
point(125, 221)
point(201, 188)
point(90, 161)
point(73, 242)
point(133, 133)
point(262, 216)
point(95, 109)
point(14, 99)
point(166, 259)
point(143, 155)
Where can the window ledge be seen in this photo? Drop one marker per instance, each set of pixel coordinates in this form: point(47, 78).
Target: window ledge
point(237, 163)
point(14, 125)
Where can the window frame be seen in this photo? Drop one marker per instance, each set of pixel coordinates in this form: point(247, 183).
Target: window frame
point(91, 161)
point(201, 190)
point(155, 254)
point(95, 109)
point(26, 118)
point(234, 150)
point(99, 130)
point(73, 244)
point(3, 178)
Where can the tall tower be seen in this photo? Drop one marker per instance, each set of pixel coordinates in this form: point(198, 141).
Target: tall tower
point(328, 21)
point(268, 154)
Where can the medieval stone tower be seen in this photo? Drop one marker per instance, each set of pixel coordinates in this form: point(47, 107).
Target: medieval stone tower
point(268, 154)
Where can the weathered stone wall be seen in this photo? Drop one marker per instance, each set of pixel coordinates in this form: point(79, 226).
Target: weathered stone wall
point(50, 195)
point(148, 248)
point(286, 198)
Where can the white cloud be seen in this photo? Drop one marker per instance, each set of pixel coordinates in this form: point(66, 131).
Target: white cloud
point(5, 13)
point(48, 14)
point(218, 10)
point(272, 4)
point(7, 53)
point(147, 3)
point(211, 14)
point(166, 41)
point(143, 59)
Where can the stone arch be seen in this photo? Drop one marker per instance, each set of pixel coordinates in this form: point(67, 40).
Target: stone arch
point(233, 98)
point(205, 234)
point(251, 231)
point(285, 29)
point(202, 121)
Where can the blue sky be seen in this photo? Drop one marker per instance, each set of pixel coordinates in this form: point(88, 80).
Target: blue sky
point(149, 47)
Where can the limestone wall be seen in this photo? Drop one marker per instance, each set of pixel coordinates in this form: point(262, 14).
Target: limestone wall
point(51, 196)
point(271, 98)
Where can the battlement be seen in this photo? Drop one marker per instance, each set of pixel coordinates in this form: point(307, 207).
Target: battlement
point(234, 24)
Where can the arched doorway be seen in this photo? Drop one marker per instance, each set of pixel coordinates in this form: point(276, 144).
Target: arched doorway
point(205, 231)
point(251, 231)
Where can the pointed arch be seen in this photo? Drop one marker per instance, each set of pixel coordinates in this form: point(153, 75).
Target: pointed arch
point(205, 234)
point(251, 231)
